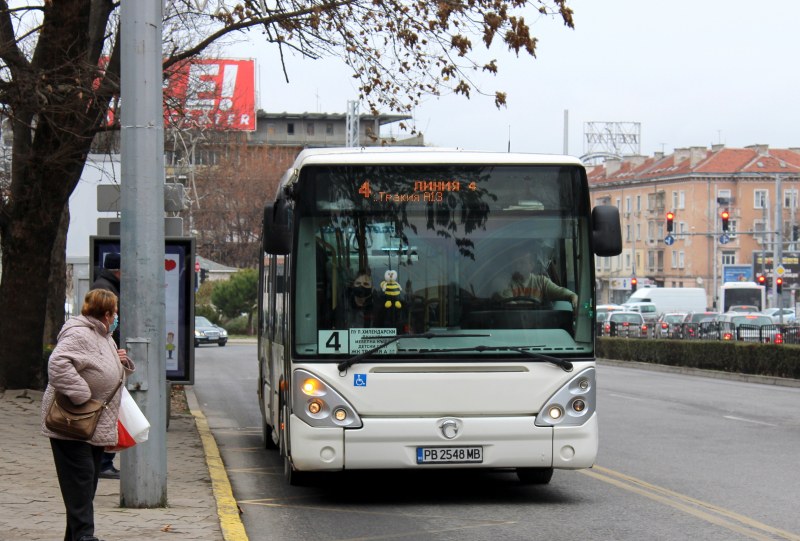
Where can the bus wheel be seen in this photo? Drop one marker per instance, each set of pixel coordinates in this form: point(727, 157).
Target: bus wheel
point(535, 476)
point(266, 432)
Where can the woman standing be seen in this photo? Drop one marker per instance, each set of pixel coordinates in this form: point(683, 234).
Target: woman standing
point(85, 364)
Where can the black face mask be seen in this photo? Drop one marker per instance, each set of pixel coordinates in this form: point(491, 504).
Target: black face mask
point(362, 292)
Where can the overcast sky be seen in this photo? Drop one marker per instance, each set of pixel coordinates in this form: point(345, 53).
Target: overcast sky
point(693, 73)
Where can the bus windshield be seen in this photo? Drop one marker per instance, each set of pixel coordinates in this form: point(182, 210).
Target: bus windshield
point(485, 256)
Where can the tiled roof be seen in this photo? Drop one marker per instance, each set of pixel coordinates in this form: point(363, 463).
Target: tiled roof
point(723, 161)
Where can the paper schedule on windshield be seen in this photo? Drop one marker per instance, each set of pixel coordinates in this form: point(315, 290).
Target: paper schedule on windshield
point(355, 341)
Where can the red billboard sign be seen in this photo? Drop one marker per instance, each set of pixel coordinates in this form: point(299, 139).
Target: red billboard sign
point(211, 93)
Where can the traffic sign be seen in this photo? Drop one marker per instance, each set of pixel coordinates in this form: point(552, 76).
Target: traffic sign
point(780, 270)
point(196, 266)
point(669, 240)
point(724, 239)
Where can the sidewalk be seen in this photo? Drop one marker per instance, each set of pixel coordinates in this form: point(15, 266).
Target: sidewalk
point(31, 508)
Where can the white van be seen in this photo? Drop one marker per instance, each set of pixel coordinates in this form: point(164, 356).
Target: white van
point(672, 299)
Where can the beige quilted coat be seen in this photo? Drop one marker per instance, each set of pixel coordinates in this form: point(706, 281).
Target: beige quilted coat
point(83, 365)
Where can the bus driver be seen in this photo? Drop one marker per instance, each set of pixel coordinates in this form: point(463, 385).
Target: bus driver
point(526, 282)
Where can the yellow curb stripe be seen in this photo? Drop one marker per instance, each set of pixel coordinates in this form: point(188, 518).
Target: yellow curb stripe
point(227, 510)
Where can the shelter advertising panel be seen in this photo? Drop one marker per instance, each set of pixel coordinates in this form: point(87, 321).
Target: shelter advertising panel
point(179, 301)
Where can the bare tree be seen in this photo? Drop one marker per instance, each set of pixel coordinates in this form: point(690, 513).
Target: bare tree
point(226, 213)
point(56, 97)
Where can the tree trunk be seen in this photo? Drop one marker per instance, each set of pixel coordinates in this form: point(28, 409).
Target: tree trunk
point(28, 246)
point(24, 289)
point(56, 295)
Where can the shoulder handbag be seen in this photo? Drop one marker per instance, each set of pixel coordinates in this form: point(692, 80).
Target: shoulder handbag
point(77, 422)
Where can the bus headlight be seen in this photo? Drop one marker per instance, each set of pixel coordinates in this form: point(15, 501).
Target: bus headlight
point(572, 404)
point(318, 404)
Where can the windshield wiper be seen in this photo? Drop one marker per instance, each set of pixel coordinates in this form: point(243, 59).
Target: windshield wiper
point(344, 365)
point(561, 363)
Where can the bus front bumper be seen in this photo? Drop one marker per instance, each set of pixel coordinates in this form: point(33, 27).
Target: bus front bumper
point(388, 443)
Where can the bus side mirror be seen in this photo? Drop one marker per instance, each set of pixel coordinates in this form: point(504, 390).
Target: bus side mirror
point(606, 231)
point(277, 230)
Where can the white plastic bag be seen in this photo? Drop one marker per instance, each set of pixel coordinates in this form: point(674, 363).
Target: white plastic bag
point(132, 426)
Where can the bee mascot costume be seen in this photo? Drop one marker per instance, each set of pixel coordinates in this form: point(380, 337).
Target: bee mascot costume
point(391, 289)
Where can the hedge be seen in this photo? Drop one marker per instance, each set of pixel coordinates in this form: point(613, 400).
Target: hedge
point(782, 361)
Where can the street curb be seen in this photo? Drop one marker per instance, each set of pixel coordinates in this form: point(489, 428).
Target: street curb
point(715, 374)
point(227, 508)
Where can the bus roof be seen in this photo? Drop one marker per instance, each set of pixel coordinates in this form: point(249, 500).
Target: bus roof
point(417, 155)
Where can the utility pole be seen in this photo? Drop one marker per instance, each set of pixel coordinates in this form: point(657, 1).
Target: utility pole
point(144, 467)
point(778, 245)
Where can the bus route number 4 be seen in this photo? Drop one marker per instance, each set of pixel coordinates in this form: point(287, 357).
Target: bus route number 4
point(337, 341)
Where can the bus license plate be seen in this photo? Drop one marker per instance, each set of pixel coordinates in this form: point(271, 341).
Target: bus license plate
point(449, 455)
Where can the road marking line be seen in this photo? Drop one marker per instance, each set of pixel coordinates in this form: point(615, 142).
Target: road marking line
point(229, 520)
point(625, 396)
point(732, 418)
point(276, 503)
point(698, 508)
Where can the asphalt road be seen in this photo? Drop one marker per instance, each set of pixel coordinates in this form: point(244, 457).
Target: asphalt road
point(681, 457)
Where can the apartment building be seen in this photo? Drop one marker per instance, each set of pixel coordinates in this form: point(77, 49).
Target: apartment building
point(757, 185)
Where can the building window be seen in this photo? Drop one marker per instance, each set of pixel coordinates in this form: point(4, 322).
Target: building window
point(329, 128)
point(638, 203)
point(627, 261)
point(728, 257)
point(651, 260)
point(682, 229)
point(660, 261)
point(271, 129)
point(628, 205)
point(678, 200)
point(628, 233)
point(290, 128)
point(638, 231)
point(732, 229)
point(310, 128)
point(790, 199)
point(680, 259)
point(760, 199)
point(619, 205)
point(674, 259)
point(759, 229)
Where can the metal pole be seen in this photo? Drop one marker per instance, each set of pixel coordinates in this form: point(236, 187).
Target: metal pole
point(778, 244)
point(144, 467)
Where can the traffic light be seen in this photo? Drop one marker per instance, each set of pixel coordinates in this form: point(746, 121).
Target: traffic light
point(779, 285)
point(670, 217)
point(203, 275)
point(725, 215)
point(634, 281)
point(762, 280)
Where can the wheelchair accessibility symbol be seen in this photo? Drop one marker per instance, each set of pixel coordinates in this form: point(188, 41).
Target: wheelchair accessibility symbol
point(359, 380)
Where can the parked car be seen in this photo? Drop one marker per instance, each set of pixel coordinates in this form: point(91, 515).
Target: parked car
point(748, 328)
point(625, 325)
point(601, 314)
point(669, 324)
point(789, 315)
point(695, 322)
point(206, 332)
point(647, 309)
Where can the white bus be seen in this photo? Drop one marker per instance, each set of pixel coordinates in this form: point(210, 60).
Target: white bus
point(742, 294)
point(387, 337)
